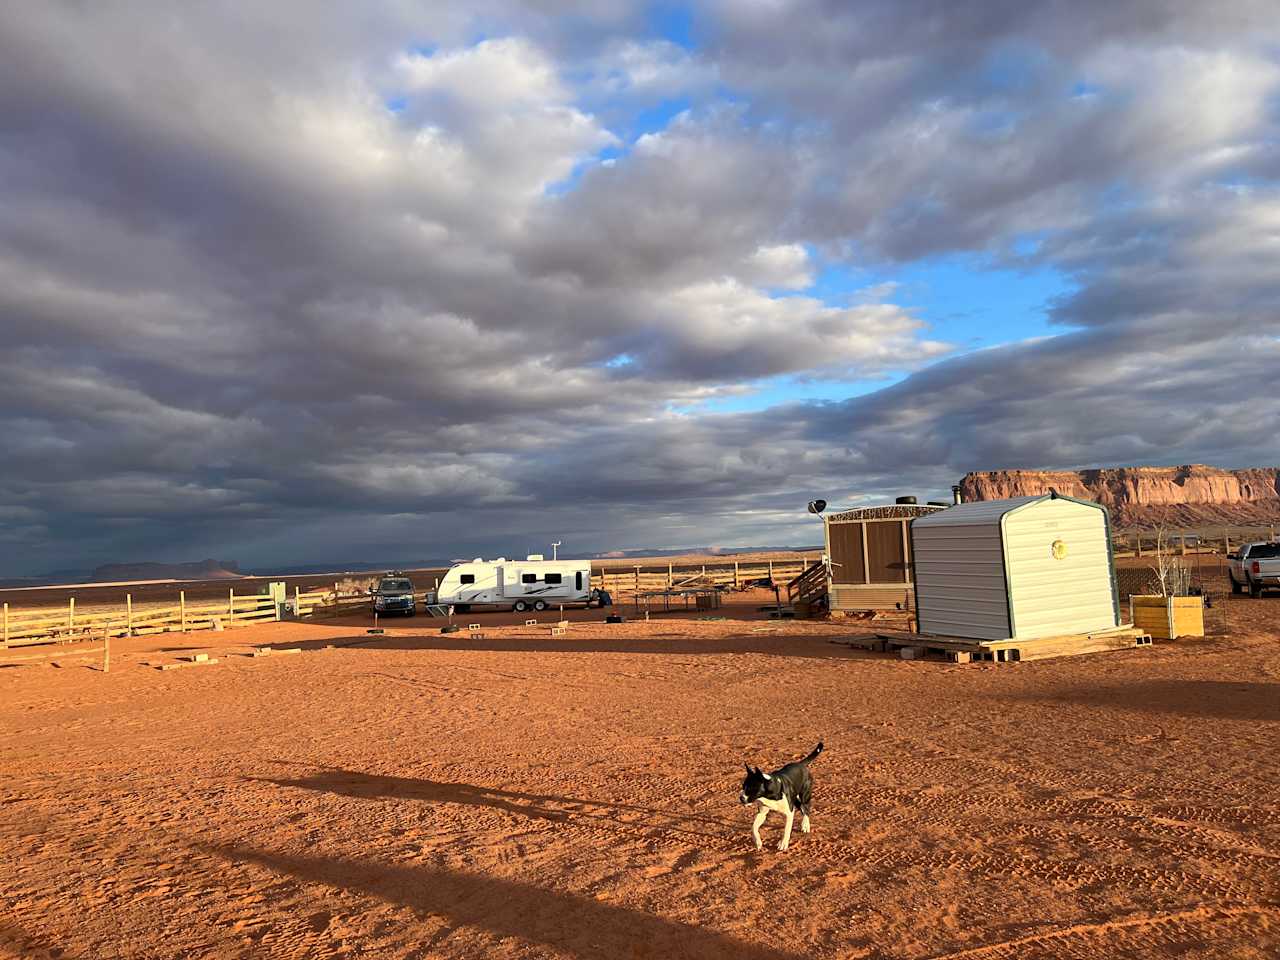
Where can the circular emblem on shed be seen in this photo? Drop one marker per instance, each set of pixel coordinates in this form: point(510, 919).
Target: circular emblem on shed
point(1059, 550)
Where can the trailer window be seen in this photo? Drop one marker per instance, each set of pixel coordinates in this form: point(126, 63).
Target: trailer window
point(529, 578)
point(553, 578)
point(578, 580)
point(467, 578)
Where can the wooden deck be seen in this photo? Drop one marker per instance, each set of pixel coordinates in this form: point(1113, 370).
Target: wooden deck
point(1006, 651)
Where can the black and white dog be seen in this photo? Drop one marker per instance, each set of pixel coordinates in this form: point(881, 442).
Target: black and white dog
point(786, 790)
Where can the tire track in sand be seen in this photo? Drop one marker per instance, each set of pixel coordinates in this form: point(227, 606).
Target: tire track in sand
point(1166, 929)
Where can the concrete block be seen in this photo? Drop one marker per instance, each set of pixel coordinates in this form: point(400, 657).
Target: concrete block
point(910, 653)
point(960, 656)
point(188, 663)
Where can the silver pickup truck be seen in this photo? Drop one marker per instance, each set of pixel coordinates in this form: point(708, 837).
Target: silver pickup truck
point(1255, 568)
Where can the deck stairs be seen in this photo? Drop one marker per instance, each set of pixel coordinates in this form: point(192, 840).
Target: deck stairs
point(807, 593)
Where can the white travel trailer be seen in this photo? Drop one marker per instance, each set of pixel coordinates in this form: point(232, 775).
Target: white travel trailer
point(531, 583)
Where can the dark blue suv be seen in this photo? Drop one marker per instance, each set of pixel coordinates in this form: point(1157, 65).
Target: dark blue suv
point(394, 594)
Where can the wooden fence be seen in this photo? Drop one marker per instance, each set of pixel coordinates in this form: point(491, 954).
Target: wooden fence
point(19, 628)
point(1202, 540)
point(624, 582)
point(25, 628)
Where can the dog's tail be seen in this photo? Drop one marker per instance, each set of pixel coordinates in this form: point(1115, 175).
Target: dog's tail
point(813, 756)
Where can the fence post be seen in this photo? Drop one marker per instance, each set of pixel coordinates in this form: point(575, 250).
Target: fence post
point(106, 653)
point(735, 574)
point(1226, 540)
point(1182, 544)
point(670, 576)
point(71, 613)
point(771, 571)
point(637, 590)
point(6, 626)
point(182, 609)
point(231, 606)
point(1137, 543)
point(128, 607)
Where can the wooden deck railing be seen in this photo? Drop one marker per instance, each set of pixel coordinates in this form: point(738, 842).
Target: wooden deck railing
point(810, 586)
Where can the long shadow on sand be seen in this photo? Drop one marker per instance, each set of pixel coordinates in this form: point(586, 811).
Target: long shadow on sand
point(660, 642)
point(28, 945)
point(367, 786)
point(566, 922)
point(1214, 699)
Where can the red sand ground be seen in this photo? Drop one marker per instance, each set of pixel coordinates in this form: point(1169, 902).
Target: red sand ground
point(522, 796)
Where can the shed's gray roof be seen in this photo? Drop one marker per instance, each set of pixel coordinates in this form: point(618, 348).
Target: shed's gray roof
point(986, 511)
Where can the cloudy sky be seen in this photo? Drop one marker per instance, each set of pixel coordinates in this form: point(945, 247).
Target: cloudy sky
point(414, 280)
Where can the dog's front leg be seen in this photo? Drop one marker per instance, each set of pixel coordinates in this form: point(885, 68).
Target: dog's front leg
point(755, 827)
point(786, 831)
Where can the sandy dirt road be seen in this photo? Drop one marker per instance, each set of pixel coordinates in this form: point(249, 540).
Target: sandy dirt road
point(525, 796)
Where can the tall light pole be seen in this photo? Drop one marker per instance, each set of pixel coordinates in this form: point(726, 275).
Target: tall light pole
point(554, 554)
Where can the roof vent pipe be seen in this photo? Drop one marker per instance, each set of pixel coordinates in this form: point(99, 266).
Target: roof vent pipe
point(955, 494)
point(904, 501)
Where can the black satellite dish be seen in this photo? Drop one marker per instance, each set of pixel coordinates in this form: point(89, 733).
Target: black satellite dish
point(817, 506)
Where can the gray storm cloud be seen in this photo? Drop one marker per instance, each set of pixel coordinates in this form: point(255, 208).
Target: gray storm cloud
point(283, 286)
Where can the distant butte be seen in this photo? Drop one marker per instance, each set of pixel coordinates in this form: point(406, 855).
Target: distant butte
point(1187, 496)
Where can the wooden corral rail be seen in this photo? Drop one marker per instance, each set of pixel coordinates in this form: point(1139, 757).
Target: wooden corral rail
point(631, 581)
point(29, 627)
point(20, 628)
point(1183, 542)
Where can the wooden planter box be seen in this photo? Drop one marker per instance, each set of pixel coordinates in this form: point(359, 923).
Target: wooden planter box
point(1167, 618)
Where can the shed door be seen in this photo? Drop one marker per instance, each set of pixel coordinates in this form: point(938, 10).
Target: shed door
point(885, 556)
point(846, 552)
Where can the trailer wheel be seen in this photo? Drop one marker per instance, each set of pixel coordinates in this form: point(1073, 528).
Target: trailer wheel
point(539, 604)
point(520, 606)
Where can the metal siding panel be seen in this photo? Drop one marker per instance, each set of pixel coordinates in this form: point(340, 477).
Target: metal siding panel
point(1051, 596)
point(857, 597)
point(959, 573)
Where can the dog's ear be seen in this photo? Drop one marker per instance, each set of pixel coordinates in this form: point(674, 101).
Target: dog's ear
point(748, 766)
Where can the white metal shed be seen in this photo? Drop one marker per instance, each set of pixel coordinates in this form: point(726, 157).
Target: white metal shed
point(1015, 569)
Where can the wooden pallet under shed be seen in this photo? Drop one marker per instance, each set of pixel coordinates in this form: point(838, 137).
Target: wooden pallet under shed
point(1008, 651)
